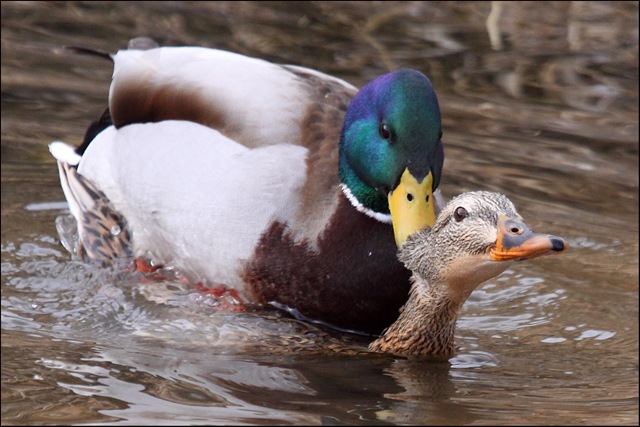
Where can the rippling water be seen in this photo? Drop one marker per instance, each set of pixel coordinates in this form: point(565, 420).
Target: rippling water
point(539, 101)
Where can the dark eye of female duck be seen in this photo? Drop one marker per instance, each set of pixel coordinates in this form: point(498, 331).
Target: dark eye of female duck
point(459, 214)
point(385, 131)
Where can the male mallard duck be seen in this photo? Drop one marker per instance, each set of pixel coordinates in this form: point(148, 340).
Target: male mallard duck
point(281, 182)
point(475, 238)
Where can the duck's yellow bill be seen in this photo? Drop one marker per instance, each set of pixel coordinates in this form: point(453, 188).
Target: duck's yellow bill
point(412, 206)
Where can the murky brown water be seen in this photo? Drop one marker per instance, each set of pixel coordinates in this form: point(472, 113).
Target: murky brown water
point(539, 102)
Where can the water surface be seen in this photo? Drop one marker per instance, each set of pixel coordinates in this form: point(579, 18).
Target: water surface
point(539, 101)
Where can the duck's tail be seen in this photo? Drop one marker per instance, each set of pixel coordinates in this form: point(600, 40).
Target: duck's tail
point(92, 52)
point(138, 43)
point(103, 236)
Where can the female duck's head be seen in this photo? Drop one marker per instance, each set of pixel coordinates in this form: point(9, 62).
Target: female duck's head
point(391, 152)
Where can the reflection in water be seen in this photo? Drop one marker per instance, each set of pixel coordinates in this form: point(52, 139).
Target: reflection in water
point(539, 100)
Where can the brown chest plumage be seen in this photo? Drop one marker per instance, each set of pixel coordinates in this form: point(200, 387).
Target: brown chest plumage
point(353, 281)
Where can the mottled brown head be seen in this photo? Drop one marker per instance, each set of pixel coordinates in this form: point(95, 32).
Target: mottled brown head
point(472, 240)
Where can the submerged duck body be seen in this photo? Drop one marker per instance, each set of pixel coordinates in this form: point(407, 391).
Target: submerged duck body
point(285, 184)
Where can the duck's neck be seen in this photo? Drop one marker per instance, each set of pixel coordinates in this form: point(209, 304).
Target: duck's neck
point(362, 196)
point(426, 324)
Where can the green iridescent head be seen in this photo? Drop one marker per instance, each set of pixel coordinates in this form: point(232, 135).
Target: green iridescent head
point(392, 126)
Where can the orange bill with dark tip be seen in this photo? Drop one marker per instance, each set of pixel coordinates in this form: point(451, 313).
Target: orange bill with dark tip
point(516, 242)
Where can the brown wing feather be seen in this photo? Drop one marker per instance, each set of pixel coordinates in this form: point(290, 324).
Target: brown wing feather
point(103, 234)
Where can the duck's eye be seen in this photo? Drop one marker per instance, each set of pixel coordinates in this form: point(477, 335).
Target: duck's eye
point(459, 214)
point(385, 131)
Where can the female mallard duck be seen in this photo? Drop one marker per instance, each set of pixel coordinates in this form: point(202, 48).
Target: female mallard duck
point(278, 181)
point(475, 238)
